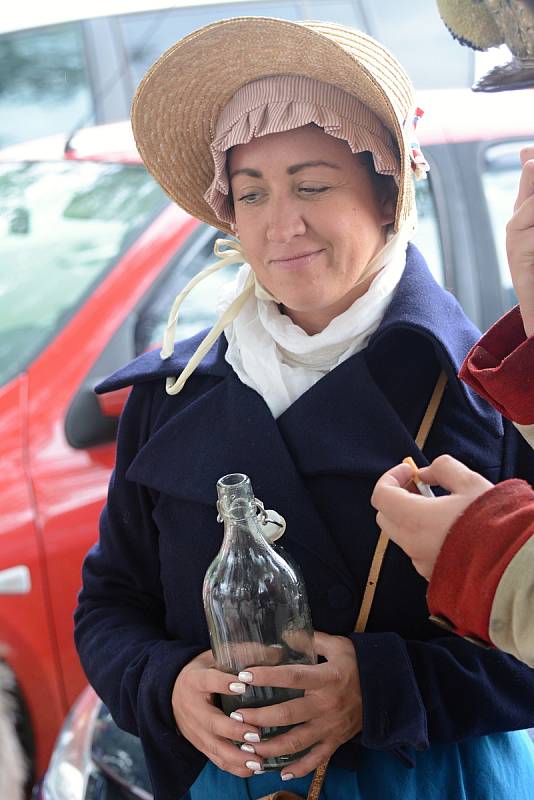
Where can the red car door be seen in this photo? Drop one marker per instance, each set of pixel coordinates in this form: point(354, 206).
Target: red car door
point(26, 625)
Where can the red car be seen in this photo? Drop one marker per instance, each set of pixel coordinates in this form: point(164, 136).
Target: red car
point(92, 255)
point(84, 237)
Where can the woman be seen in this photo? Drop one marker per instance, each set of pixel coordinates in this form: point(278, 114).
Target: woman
point(300, 139)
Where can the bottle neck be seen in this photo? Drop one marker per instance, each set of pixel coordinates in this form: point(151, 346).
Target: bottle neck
point(237, 508)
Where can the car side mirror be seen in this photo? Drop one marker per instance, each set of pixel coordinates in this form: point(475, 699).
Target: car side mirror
point(92, 419)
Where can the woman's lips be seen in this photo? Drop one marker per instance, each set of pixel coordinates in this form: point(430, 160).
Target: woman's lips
point(297, 261)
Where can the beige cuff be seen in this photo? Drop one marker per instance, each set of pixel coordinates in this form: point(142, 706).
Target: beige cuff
point(511, 625)
point(527, 431)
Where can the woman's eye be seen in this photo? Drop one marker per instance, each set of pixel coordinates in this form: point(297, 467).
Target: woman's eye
point(249, 197)
point(311, 190)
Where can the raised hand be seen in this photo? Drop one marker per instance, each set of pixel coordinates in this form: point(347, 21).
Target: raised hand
point(419, 524)
point(520, 241)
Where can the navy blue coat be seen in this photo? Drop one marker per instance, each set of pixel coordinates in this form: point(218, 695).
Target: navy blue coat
point(140, 615)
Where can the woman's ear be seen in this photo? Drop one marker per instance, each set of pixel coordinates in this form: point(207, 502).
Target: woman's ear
point(387, 197)
point(388, 203)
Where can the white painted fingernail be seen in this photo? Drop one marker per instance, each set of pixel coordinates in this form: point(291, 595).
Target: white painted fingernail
point(246, 677)
point(238, 688)
point(287, 776)
point(259, 771)
point(238, 718)
point(253, 765)
point(251, 737)
point(247, 748)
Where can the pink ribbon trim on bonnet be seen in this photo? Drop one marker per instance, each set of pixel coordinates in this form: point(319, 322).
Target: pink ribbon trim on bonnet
point(283, 102)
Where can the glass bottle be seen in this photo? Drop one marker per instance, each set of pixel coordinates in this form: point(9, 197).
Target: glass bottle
point(255, 604)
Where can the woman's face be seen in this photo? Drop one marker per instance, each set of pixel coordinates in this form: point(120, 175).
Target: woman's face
point(309, 218)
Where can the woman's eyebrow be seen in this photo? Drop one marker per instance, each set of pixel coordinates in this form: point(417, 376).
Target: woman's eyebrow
point(254, 173)
point(297, 167)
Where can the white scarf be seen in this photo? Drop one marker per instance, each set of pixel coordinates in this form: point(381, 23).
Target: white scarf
point(279, 360)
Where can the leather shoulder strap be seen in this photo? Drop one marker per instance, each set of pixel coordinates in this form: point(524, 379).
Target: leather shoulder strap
point(382, 543)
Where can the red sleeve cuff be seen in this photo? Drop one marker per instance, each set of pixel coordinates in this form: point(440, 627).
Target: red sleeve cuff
point(500, 368)
point(479, 547)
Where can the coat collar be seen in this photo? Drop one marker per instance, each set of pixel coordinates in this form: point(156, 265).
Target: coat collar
point(421, 305)
point(150, 367)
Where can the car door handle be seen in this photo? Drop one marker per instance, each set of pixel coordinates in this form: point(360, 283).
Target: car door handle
point(15, 580)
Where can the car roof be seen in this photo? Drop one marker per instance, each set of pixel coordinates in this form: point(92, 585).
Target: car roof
point(450, 115)
point(112, 142)
point(461, 115)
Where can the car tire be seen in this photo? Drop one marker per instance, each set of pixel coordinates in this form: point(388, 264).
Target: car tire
point(16, 740)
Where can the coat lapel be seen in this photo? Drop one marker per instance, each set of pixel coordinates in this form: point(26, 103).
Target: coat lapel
point(346, 425)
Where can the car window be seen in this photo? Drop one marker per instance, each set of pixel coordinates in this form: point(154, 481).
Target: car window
point(199, 309)
point(44, 86)
point(57, 77)
point(62, 226)
point(500, 179)
point(434, 60)
point(147, 35)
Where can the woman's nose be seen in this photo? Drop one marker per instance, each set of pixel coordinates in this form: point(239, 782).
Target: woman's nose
point(285, 222)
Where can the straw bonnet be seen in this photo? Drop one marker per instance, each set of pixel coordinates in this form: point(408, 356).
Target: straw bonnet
point(176, 107)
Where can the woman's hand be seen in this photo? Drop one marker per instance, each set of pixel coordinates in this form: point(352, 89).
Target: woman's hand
point(329, 713)
point(206, 726)
point(420, 524)
point(520, 241)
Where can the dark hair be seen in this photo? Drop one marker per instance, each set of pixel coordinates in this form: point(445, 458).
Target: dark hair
point(384, 185)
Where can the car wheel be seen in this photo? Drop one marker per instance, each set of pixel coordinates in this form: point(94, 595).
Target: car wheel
point(15, 735)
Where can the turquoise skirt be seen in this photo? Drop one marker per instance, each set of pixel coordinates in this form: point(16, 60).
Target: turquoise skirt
point(497, 767)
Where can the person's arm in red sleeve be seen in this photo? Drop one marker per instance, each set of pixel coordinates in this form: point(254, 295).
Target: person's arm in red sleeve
point(500, 368)
point(474, 587)
point(472, 544)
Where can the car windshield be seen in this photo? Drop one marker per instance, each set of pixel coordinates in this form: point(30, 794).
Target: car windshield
point(62, 226)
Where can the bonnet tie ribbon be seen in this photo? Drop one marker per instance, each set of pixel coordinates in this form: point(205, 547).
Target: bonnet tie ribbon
point(228, 252)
